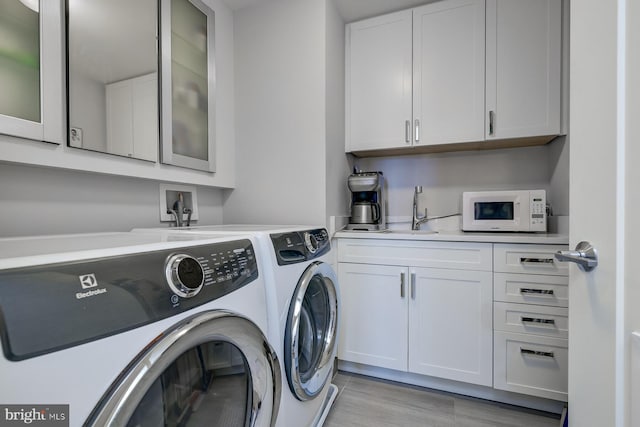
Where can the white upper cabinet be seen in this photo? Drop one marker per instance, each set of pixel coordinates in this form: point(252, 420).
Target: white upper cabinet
point(448, 79)
point(523, 68)
point(378, 78)
point(481, 72)
point(31, 70)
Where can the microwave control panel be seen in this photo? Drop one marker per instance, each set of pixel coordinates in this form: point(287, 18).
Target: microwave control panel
point(537, 209)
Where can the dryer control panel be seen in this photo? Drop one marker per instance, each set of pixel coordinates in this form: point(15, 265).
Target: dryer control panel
point(300, 246)
point(47, 308)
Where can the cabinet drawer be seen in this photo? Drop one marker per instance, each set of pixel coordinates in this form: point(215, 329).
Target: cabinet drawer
point(530, 259)
point(531, 289)
point(531, 319)
point(530, 364)
point(449, 255)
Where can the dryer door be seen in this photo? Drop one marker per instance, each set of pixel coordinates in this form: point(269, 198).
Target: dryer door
point(310, 332)
point(213, 369)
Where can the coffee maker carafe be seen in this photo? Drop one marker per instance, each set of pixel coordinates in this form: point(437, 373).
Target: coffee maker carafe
point(367, 201)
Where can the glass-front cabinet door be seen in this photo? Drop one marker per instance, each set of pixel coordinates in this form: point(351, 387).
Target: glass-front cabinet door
point(31, 99)
point(188, 84)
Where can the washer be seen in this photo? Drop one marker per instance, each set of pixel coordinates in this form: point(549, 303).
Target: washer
point(137, 329)
point(303, 294)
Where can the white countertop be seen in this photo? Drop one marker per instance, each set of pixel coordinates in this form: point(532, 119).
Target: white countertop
point(458, 236)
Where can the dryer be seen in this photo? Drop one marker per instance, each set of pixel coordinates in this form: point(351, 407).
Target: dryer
point(308, 307)
point(303, 294)
point(136, 329)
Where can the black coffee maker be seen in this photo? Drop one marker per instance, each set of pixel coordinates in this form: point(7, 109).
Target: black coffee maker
point(367, 201)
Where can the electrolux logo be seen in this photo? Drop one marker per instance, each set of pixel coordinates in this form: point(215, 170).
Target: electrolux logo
point(89, 281)
point(37, 415)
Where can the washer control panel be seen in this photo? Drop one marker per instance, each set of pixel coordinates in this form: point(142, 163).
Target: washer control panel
point(300, 246)
point(48, 308)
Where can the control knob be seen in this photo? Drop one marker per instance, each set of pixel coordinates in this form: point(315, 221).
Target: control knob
point(311, 242)
point(184, 274)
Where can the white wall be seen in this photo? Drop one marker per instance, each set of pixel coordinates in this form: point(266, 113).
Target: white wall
point(280, 111)
point(337, 165)
point(445, 176)
point(38, 200)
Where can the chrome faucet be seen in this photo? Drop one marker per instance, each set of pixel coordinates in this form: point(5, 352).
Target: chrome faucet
point(417, 220)
point(178, 210)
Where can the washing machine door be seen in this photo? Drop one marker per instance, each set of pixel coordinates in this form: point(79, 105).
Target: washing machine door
point(213, 369)
point(310, 334)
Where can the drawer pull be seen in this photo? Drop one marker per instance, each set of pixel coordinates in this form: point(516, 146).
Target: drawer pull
point(536, 261)
point(536, 291)
point(537, 353)
point(537, 320)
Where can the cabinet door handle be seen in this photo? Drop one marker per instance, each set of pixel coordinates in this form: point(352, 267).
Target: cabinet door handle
point(417, 130)
point(401, 285)
point(491, 120)
point(413, 285)
point(537, 320)
point(407, 131)
point(536, 291)
point(537, 353)
point(536, 261)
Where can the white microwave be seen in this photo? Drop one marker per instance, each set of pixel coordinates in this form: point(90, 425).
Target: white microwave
point(504, 211)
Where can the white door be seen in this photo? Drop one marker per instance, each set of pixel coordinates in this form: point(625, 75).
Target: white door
point(373, 326)
point(523, 68)
point(448, 64)
point(451, 324)
point(378, 82)
point(605, 208)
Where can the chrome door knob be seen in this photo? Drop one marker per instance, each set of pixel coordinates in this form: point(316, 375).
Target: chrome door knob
point(585, 255)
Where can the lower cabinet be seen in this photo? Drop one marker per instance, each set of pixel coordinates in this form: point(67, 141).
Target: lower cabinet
point(450, 324)
point(531, 321)
point(375, 321)
point(429, 321)
point(534, 365)
point(489, 314)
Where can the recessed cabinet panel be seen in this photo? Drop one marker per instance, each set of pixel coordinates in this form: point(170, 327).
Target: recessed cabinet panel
point(531, 365)
point(536, 289)
point(373, 327)
point(188, 84)
point(378, 92)
point(529, 259)
point(450, 325)
point(31, 69)
point(523, 68)
point(448, 84)
point(531, 319)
